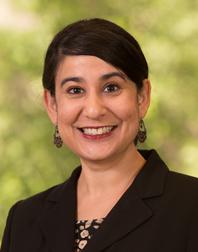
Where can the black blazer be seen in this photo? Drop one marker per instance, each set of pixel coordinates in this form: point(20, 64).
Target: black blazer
point(158, 213)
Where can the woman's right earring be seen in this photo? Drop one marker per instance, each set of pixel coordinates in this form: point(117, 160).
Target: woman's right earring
point(58, 142)
point(142, 135)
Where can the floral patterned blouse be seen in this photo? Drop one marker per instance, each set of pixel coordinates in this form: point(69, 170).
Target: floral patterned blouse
point(84, 231)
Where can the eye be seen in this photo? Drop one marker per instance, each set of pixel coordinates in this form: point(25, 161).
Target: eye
point(75, 90)
point(110, 88)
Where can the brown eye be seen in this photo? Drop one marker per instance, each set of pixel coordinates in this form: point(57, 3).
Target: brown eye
point(75, 90)
point(111, 88)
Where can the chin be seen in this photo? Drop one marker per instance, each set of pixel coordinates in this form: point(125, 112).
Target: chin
point(95, 157)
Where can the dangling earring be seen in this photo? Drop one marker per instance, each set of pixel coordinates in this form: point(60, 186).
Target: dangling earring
point(57, 138)
point(142, 135)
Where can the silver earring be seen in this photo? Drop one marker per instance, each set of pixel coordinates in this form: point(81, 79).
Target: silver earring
point(58, 142)
point(142, 134)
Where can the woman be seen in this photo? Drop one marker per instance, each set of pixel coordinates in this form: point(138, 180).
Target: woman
point(96, 93)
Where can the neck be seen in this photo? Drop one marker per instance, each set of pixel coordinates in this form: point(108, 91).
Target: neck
point(113, 175)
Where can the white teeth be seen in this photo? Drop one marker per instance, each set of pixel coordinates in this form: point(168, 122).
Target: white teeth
point(98, 131)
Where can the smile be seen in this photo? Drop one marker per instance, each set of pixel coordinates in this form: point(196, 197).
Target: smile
point(97, 131)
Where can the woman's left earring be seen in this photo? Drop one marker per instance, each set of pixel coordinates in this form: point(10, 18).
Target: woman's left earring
point(142, 134)
point(58, 142)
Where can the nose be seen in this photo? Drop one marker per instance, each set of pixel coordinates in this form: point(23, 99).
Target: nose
point(94, 107)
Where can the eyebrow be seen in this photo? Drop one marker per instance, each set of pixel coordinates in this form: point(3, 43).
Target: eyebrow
point(102, 78)
point(75, 79)
point(113, 74)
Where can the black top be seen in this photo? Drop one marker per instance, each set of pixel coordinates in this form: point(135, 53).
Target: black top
point(84, 231)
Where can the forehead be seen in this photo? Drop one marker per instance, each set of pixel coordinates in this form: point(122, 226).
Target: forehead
point(84, 65)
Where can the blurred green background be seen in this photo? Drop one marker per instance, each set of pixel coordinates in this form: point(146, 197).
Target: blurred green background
point(167, 31)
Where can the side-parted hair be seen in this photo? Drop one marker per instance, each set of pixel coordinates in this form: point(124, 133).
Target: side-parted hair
point(100, 38)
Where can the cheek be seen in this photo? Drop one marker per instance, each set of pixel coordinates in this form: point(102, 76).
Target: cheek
point(67, 111)
point(127, 110)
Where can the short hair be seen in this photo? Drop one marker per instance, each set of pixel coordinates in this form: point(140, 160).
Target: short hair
point(100, 38)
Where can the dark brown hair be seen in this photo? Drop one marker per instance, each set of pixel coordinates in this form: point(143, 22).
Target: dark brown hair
point(100, 38)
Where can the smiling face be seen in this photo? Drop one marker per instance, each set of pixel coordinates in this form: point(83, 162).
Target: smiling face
point(96, 107)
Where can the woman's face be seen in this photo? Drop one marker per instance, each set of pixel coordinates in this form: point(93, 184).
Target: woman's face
point(96, 107)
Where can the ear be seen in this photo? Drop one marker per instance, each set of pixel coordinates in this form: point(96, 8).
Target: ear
point(50, 105)
point(144, 96)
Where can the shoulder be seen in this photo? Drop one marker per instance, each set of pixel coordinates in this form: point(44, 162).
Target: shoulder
point(157, 169)
point(25, 213)
point(175, 188)
point(38, 203)
point(185, 181)
point(180, 196)
point(35, 204)
point(182, 184)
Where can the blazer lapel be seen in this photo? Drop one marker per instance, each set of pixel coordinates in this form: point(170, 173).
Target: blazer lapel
point(126, 216)
point(58, 221)
point(131, 211)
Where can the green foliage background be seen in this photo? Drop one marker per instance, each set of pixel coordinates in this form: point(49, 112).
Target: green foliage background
point(167, 31)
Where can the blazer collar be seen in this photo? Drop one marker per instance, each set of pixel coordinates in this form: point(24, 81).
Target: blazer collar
point(58, 222)
point(151, 179)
